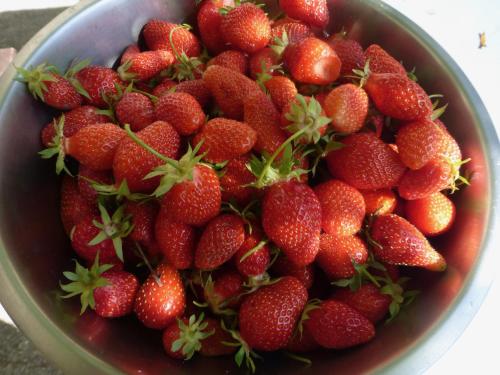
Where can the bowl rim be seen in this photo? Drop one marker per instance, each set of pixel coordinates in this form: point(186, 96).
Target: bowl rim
point(59, 349)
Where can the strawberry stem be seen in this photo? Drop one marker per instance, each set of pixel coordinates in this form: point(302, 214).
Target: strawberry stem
point(147, 263)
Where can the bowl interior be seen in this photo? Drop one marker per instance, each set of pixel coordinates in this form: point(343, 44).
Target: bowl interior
point(35, 250)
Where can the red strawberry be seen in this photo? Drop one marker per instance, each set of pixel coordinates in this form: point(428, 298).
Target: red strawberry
point(295, 31)
point(335, 325)
point(349, 52)
point(451, 149)
point(157, 37)
point(182, 111)
point(223, 291)
point(209, 20)
point(176, 241)
point(135, 109)
point(225, 139)
point(234, 180)
point(368, 300)
point(143, 219)
point(381, 62)
point(132, 162)
point(263, 61)
point(282, 91)
point(255, 263)
point(145, 65)
point(431, 215)
point(221, 239)
point(403, 244)
point(397, 96)
point(161, 298)
point(231, 59)
point(312, 61)
point(129, 52)
point(85, 178)
point(337, 254)
point(230, 89)
point(213, 345)
point(379, 202)
point(313, 12)
point(197, 89)
point(365, 162)
point(347, 106)
point(99, 82)
point(291, 218)
point(165, 86)
point(285, 267)
point(45, 84)
point(262, 116)
point(246, 28)
point(267, 317)
point(342, 208)
point(302, 342)
point(74, 207)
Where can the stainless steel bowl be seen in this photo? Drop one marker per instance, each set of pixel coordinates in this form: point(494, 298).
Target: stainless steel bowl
point(34, 250)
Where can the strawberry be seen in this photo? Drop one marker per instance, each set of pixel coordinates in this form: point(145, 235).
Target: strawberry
point(337, 254)
point(400, 243)
point(176, 241)
point(302, 342)
point(223, 291)
point(262, 116)
point(342, 208)
point(161, 298)
point(231, 59)
point(47, 85)
point(135, 109)
point(313, 12)
point(379, 202)
point(162, 35)
point(397, 96)
point(213, 346)
point(230, 89)
point(295, 31)
point(365, 162)
point(349, 52)
point(433, 177)
point(368, 300)
point(312, 61)
point(224, 139)
point(267, 317)
point(451, 150)
point(262, 62)
point(431, 215)
point(145, 65)
point(246, 28)
point(285, 267)
point(335, 325)
point(99, 82)
point(234, 180)
point(110, 293)
point(252, 258)
point(291, 218)
point(129, 52)
point(85, 178)
point(165, 86)
point(197, 89)
point(220, 240)
point(381, 62)
point(209, 20)
point(74, 207)
point(347, 106)
point(282, 91)
point(143, 217)
point(182, 111)
point(133, 163)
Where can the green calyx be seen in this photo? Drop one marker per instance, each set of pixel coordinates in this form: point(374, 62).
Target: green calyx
point(113, 228)
point(36, 78)
point(457, 180)
point(362, 75)
point(185, 67)
point(70, 76)
point(217, 305)
point(279, 44)
point(437, 112)
point(244, 353)
point(191, 335)
point(56, 147)
point(312, 304)
point(84, 281)
point(326, 144)
point(248, 214)
point(125, 73)
point(361, 275)
point(399, 296)
point(120, 193)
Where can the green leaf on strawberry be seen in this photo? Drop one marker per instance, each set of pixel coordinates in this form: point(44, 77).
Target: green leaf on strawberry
point(191, 335)
point(56, 147)
point(36, 78)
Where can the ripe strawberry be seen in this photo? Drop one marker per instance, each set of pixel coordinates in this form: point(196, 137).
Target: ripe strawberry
point(263, 62)
point(221, 239)
point(285, 267)
point(347, 106)
point(403, 244)
point(161, 298)
point(135, 109)
point(209, 20)
point(253, 263)
point(295, 31)
point(342, 208)
point(433, 177)
point(230, 89)
point(213, 346)
point(365, 162)
point(129, 52)
point(132, 162)
point(85, 178)
point(74, 207)
point(234, 180)
point(176, 241)
point(335, 325)
point(145, 65)
point(231, 59)
point(291, 218)
point(197, 89)
point(246, 28)
point(262, 116)
point(382, 62)
point(143, 219)
point(349, 52)
point(312, 61)
point(224, 139)
point(282, 91)
point(165, 86)
point(451, 150)
point(431, 215)
point(47, 85)
point(368, 300)
point(267, 317)
point(223, 291)
point(99, 82)
point(314, 12)
point(157, 35)
point(110, 293)
point(302, 342)
point(337, 254)
point(379, 202)
point(397, 96)
point(182, 111)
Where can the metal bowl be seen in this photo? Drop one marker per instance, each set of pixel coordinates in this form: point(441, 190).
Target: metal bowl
point(34, 251)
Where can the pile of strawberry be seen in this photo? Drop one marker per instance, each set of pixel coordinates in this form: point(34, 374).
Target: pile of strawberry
point(272, 190)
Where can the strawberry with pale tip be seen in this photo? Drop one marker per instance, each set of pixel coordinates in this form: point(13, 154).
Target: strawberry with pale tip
point(379, 202)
